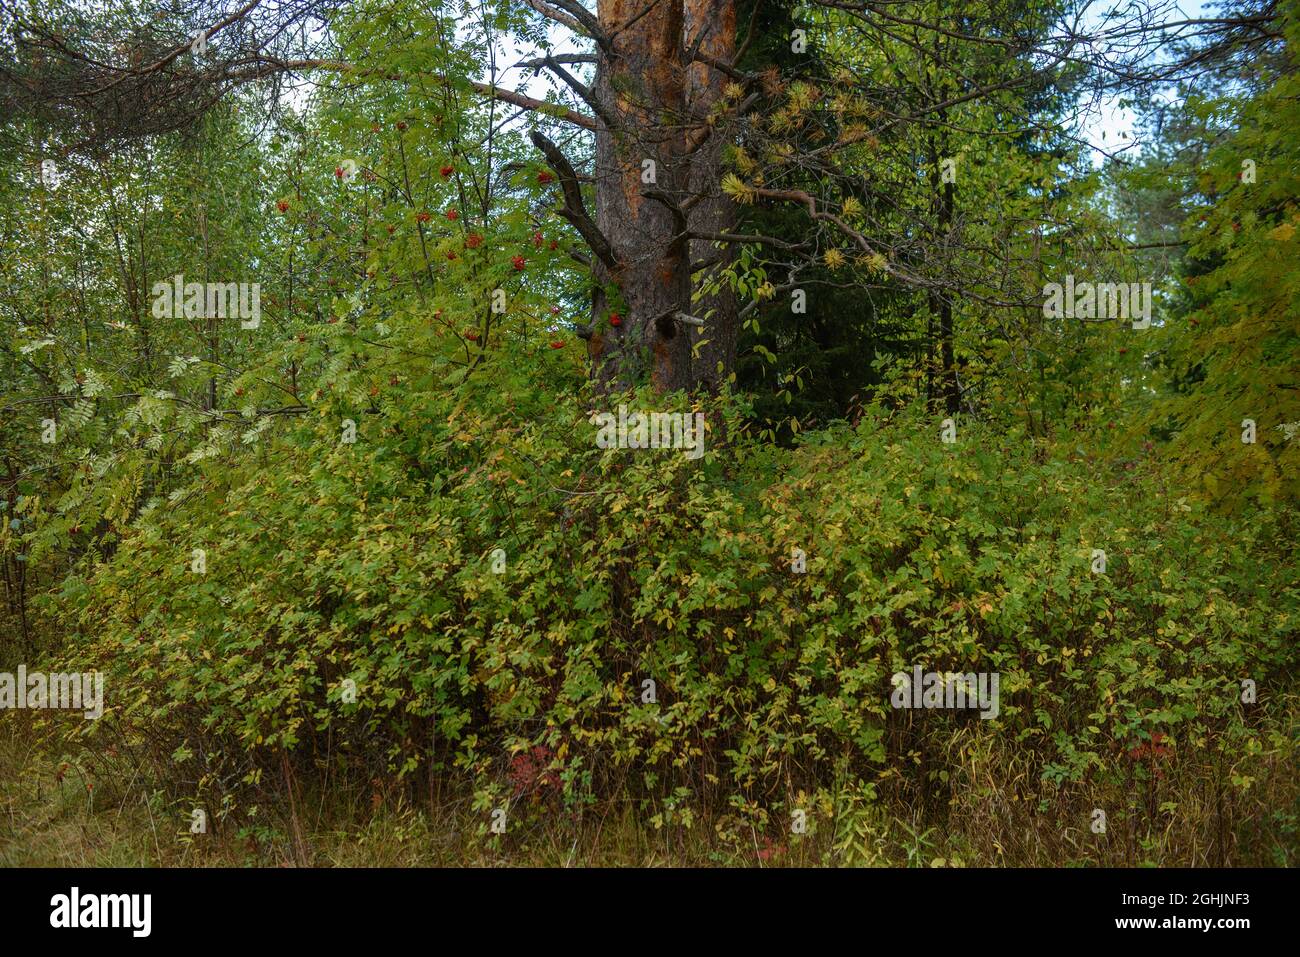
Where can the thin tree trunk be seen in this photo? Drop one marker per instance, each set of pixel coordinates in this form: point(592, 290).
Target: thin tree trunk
point(940, 301)
point(714, 23)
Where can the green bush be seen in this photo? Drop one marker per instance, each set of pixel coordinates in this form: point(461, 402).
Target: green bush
point(373, 562)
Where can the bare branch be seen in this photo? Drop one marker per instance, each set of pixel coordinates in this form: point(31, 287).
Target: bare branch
point(574, 210)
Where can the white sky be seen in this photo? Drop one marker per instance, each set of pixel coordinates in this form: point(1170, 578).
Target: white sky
point(1106, 125)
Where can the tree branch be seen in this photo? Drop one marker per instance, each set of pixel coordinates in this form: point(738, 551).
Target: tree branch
point(575, 16)
point(585, 92)
point(267, 66)
point(574, 210)
point(538, 62)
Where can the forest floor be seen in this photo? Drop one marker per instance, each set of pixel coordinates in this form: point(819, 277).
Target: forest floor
point(53, 815)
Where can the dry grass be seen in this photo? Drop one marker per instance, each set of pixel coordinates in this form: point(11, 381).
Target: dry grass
point(54, 812)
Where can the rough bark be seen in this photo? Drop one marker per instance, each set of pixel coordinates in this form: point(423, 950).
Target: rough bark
point(651, 95)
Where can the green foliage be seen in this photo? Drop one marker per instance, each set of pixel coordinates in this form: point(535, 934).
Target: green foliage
point(1235, 353)
point(373, 562)
point(473, 591)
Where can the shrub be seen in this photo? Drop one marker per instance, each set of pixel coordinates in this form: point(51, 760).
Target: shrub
point(373, 562)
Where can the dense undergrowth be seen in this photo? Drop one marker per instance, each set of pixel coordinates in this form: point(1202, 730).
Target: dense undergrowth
point(516, 679)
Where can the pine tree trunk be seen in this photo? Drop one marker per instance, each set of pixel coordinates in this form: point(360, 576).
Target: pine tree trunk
point(645, 172)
